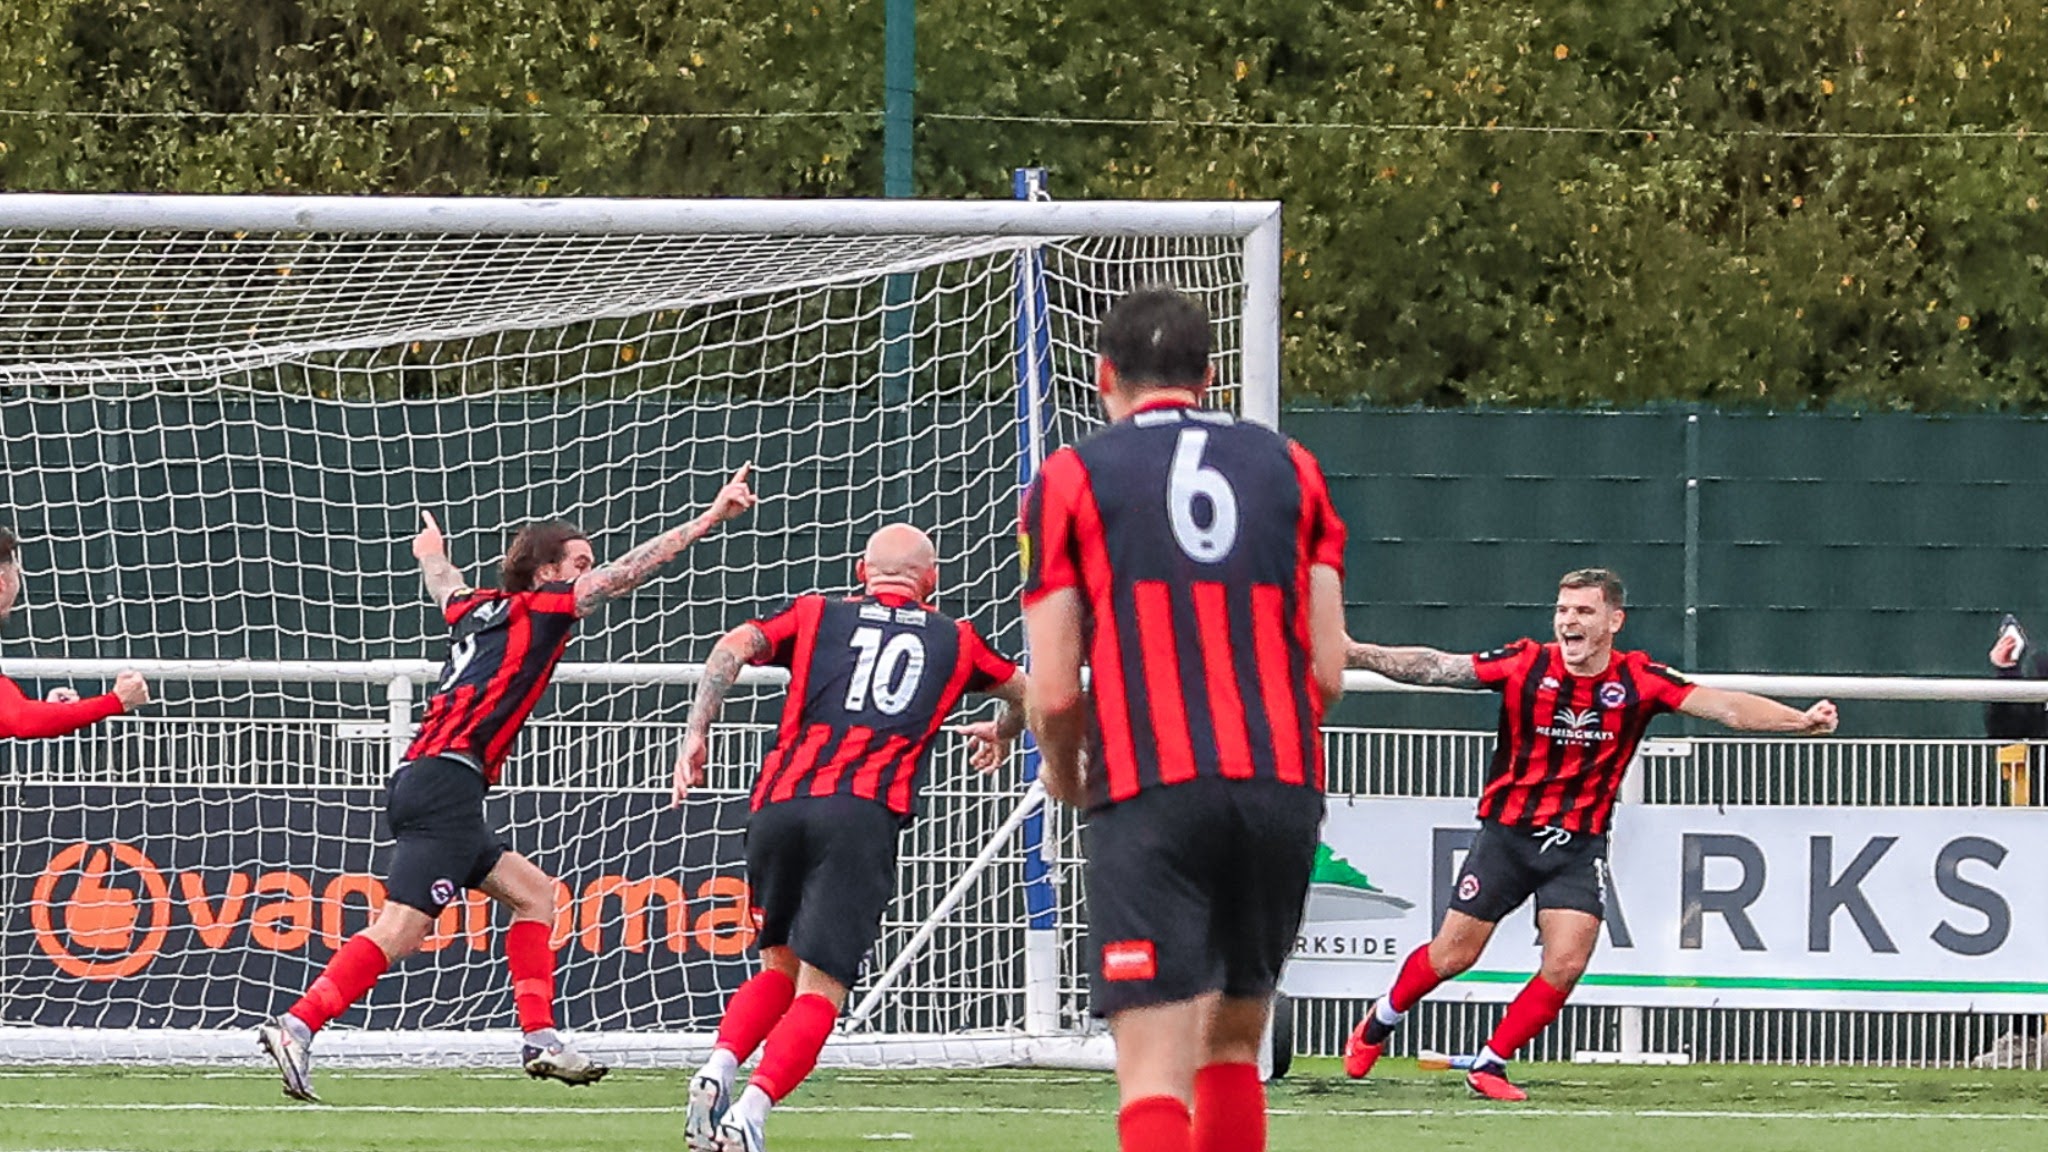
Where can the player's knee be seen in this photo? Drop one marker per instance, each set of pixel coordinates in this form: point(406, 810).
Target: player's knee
point(813, 982)
point(1564, 971)
point(780, 959)
point(1453, 956)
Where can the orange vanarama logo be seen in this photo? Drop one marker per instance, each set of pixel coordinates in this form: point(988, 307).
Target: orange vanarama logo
point(102, 912)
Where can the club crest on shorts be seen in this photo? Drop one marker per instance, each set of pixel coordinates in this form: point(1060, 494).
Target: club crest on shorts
point(1468, 886)
point(442, 891)
point(1613, 694)
point(1129, 960)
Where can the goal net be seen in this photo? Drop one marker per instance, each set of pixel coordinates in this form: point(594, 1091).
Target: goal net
point(223, 418)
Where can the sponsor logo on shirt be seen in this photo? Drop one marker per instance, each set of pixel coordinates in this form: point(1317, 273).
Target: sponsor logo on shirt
point(1576, 728)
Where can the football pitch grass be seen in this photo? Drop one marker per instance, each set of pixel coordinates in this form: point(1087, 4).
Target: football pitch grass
point(1620, 1109)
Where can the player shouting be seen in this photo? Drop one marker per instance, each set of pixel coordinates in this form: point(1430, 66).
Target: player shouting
point(63, 712)
point(1196, 564)
point(506, 643)
point(1572, 715)
point(871, 679)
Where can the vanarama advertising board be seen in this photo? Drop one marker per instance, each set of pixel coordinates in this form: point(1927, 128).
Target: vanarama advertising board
point(212, 907)
point(1897, 908)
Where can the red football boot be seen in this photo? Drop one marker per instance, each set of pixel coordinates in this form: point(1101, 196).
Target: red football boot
point(1359, 1056)
point(1491, 1081)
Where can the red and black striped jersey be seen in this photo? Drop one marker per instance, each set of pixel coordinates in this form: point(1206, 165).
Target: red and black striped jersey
point(1189, 537)
point(506, 646)
point(1565, 741)
point(871, 680)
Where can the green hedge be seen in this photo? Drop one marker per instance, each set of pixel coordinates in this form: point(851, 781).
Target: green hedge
point(1758, 204)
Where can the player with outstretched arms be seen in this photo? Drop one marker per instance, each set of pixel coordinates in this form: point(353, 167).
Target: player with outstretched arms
point(505, 643)
point(1196, 564)
point(64, 712)
point(1572, 715)
point(872, 677)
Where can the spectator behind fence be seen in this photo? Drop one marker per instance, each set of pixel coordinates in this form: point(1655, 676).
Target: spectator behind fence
point(2015, 657)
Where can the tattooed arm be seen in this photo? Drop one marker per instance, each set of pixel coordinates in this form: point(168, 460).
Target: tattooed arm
point(628, 572)
point(443, 579)
point(740, 647)
point(1425, 666)
point(990, 740)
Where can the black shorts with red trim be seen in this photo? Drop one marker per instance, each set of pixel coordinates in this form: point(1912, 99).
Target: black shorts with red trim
point(822, 870)
point(435, 807)
point(1509, 863)
point(1197, 887)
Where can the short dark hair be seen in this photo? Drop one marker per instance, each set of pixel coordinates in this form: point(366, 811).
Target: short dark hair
point(1157, 337)
point(536, 544)
point(1606, 581)
point(7, 545)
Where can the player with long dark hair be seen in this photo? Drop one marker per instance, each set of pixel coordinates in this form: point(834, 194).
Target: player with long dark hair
point(506, 642)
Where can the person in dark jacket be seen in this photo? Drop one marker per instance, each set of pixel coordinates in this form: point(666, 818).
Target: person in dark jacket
point(2015, 657)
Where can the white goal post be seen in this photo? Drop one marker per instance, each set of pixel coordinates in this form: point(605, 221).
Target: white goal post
point(223, 415)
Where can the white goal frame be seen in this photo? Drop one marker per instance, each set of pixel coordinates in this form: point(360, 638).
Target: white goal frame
point(1253, 225)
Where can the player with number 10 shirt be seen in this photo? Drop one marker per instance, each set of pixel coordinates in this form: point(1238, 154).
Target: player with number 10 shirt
point(1195, 564)
point(504, 645)
point(872, 677)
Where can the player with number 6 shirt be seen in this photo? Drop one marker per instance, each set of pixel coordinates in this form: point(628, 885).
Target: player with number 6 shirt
point(1195, 564)
point(1573, 712)
point(505, 643)
point(872, 678)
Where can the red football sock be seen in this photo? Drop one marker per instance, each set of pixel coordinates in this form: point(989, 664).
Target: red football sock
point(753, 1011)
point(1418, 978)
point(1154, 1124)
point(793, 1046)
point(1534, 1007)
point(1230, 1109)
point(530, 954)
point(349, 975)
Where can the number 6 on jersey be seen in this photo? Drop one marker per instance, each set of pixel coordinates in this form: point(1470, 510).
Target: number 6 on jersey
point(1189, 478)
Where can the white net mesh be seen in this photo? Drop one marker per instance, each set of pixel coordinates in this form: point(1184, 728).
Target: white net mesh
point(218, 444)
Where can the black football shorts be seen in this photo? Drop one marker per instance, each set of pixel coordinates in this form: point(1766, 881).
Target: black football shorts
point(435, 807)
point(1197, 887)
point(822, 870)
point(1508, 864)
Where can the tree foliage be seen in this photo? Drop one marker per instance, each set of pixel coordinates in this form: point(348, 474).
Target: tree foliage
point(1745, 203)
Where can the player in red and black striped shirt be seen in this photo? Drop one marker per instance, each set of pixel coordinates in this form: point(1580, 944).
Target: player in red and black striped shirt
point(1196, 564)
point(63, 713)
point(1573, 713)
point(505, 643)
point(872, 677)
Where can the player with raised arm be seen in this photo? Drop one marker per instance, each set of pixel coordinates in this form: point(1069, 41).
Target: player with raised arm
point(872, 678)
point(1196, 564)
point(505, 645)
point(64, 712)
point(1572, 715)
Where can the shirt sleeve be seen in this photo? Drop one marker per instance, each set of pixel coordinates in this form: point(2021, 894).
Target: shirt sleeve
point(1047, 541)
point(1497, 667)
point(459, 603)
point(1663, 687)
point(987, 669)
point(556, 598)
point(782, 628)
point(29, 719)
point(1322, 531)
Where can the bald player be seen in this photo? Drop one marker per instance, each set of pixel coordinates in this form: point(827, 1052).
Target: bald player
point(872, 677)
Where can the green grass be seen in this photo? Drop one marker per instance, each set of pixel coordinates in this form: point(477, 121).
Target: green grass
point(1610, 1109)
